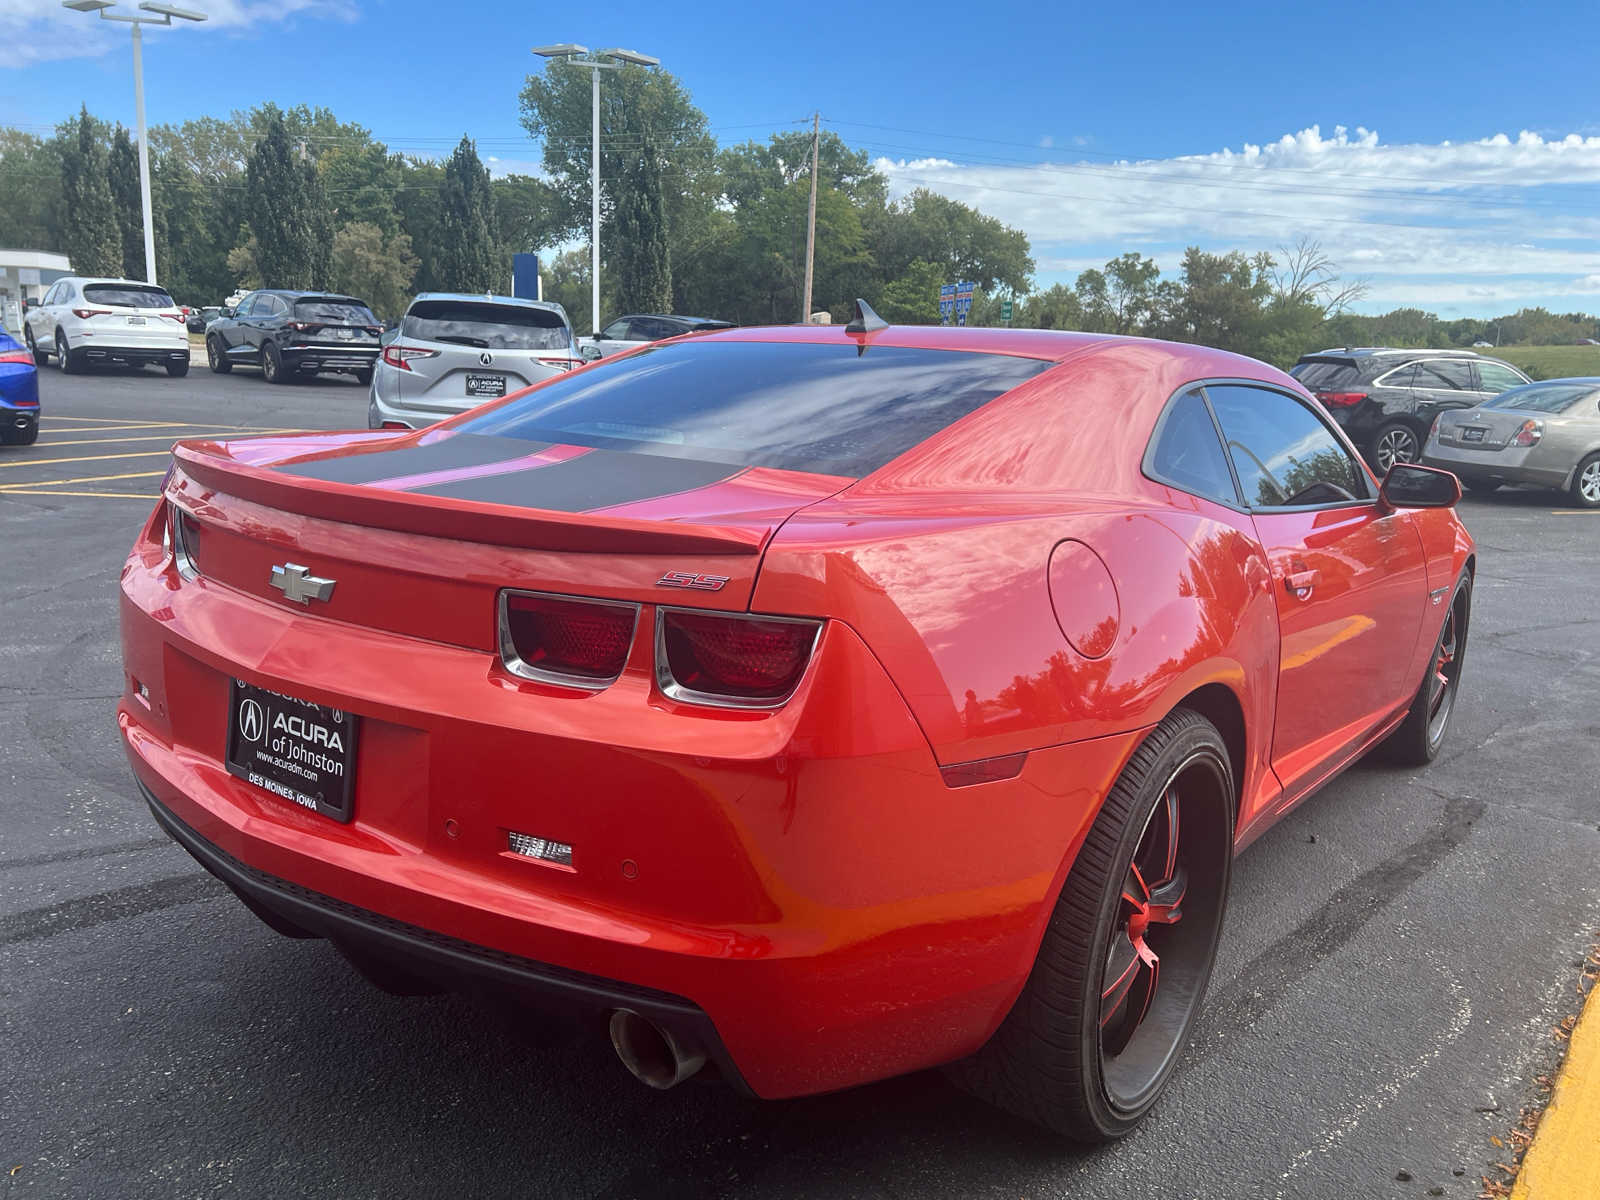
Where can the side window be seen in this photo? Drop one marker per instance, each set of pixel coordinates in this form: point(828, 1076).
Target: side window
point(1186, 453)
point(1444, 375)
point(246, 306)
point(617, 330)
point(1496, 378)
point(1400, 377)
point(1283, 452)
point(276, 306)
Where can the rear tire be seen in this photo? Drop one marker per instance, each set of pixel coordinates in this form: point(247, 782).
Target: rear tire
point(1480, 487)
point(217, 357)
point(1394, 442)
point(272, 369)
point(1103, 1018)
point(1417, 741)
point(364, 376)
point(1585, 490)
point(64, 358)
point(177, 369)
point(40, 358)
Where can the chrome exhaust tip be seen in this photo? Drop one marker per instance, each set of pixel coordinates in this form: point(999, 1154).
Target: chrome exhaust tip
point(652, 1054)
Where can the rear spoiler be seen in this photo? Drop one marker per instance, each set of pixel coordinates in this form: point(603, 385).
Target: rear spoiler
point(462, 520)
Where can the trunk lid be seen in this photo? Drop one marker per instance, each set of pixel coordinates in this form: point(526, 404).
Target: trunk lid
point(1481, 428)
point(420, 532)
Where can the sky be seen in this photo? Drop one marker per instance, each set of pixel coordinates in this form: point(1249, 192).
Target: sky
point(1448, 155)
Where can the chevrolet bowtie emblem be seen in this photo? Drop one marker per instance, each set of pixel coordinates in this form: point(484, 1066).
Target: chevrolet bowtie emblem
point(300, 585)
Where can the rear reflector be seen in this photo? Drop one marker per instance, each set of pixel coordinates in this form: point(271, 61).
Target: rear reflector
point(543, 849)
point(731, 661)
point(565, 639)
point(1341, 399)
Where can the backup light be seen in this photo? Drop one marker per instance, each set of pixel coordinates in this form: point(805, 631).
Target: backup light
point(731, 660)
point(540, 848)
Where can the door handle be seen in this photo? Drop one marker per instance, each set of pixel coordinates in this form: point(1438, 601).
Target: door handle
point(1300, 583)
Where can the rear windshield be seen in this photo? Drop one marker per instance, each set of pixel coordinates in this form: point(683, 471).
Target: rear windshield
point(124, 295)
point(1543, 398)
point(487, 326)
point(1325, 374)
point(334, 312)
point(796, 406)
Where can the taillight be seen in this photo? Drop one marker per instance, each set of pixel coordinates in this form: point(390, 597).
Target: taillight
point(83, 314)
point(560, 364)
point(16, 356)
point(565, 639)
point(400, 356)
point(177, 316)
point(299, 326)
point(1340, 399)
point(729, 660)
point(1529, 434)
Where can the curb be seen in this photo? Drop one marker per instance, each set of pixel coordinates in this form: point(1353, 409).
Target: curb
point(1563, 1162)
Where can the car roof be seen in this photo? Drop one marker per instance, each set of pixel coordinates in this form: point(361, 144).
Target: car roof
point(1052, 345)
point(674, 317)
point(294, 294)
point(489, 298)
point(1376, 351)
point(109, 279)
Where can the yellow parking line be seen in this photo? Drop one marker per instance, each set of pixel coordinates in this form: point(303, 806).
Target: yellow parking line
point(160, 425)
point(39, 483)
point(1564, 1160)
point(1575, 512)
point(105, 420)
point(155, 437)
point(148, 498)
point(40, 462)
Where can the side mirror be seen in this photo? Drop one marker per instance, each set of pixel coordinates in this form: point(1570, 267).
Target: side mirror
point(589, 353)
point(1408, 485)
point(225, 312)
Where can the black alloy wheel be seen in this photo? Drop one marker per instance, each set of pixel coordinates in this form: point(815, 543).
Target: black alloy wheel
point(1420, 736)
point(1122, 970)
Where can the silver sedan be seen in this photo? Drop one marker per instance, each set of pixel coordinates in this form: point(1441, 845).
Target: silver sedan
point(1545, 434)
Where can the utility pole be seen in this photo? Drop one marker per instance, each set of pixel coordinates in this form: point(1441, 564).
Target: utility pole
point(811, 217)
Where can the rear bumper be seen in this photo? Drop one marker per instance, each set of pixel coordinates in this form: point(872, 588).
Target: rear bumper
point(1509, 465)
point(433, 955)
point(101, 351)
point(802, 878)
point(348, 359)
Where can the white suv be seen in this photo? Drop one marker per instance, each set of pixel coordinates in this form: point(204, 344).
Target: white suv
point(82, 321)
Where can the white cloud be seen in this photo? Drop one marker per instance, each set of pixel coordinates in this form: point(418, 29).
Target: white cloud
point(1500, 219)
point(35, 31)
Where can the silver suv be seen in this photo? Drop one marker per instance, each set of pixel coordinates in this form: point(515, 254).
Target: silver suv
point(452, 352)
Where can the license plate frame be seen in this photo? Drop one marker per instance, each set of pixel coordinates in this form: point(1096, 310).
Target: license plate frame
point(1472, 434)
point(484, 386)
point(274, 744)
point(137, 321)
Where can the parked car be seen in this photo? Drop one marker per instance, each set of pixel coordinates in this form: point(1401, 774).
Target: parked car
point(19, 393)
point(627, 332)
point(1546, 434)
point(199, 318)
point(288, 334)
point(918, 724)
point(1386, 400)
point(455, 351)
point(83, 321)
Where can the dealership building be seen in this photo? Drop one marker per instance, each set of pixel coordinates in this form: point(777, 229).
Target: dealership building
point(25, 274)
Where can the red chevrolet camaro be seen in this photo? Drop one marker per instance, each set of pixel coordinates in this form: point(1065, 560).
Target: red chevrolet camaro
point(819, 704)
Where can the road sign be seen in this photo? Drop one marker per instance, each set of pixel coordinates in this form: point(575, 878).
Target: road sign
point(963, 301)
point(947, 302)
point(1005, 311)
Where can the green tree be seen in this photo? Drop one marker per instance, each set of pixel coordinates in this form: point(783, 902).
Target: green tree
point(89, 234)
point(30, 179)
point(912, 299)
point(376, 267)
point(566, 282)
point(525, 209)
point(122, 171)
point(287, 212)
point(468, 240)
point(965, 243)
point(642, 262)
point(1057, 307)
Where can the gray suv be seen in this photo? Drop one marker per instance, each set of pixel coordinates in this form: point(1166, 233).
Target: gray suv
point(453, 352)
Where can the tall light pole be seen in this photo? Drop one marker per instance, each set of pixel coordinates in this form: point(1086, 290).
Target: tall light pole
point(600, 60)
point(163, 14)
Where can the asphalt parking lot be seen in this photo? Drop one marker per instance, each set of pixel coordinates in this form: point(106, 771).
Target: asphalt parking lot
point(1395, 954)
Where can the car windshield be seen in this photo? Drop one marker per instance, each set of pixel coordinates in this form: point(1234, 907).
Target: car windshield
point(1543, 397)
point(123, 295)
point(334, 312)
point(488, 326)
point(1325, 375)
point(823, 407)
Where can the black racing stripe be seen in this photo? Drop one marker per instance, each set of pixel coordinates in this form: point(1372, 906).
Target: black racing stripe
point(599, 479)
point(460, 450)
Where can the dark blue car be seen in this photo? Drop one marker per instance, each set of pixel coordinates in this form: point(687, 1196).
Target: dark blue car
point(19, 393)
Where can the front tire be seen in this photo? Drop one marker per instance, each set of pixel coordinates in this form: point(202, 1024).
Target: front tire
point(1394, 442)
point(1098, 1029)
point(1585, 490)
point(216, 357)
point(1417, 741)
point(64, 358)
point(40, 357)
